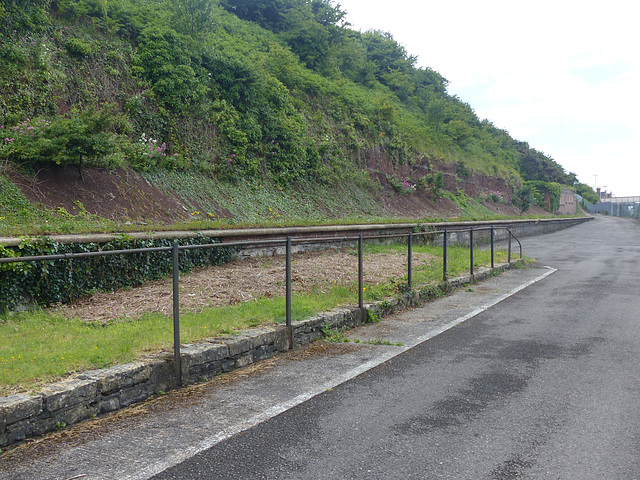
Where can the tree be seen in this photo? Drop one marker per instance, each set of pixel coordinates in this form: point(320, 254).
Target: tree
point(325, 13)
point(430, 81)
point(310, 41)
point(194, 17)
point(586, 192)
point(387, 54)
point(266, 13)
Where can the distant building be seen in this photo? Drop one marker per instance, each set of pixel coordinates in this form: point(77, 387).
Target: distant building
point(567, 202)
point(603, 195)
point(623, 199)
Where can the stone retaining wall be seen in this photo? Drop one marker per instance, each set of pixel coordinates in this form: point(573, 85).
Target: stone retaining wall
point(98, 392)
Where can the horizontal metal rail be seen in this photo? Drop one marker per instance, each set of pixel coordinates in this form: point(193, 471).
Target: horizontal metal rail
point(287, 242)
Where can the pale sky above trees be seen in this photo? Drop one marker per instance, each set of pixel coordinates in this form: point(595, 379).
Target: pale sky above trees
point(562, 75)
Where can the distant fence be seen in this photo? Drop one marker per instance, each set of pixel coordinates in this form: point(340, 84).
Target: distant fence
point(617, 207)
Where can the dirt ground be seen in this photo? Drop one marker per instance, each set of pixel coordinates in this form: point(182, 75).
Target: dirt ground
point(242, 281)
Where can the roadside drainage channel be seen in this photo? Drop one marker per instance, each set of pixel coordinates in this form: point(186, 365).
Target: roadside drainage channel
point(97, 392)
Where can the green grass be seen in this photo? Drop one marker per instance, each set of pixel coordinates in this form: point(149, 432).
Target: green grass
point(458, 262)
point(39, 347)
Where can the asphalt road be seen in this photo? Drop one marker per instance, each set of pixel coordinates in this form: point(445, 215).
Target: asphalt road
point(532, 374)
point(544, 385)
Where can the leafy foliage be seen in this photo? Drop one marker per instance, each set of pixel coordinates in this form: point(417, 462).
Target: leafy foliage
point(546, 195)
point(434, 183)
point(24, 15)
point(524, 198)
point(165, 57)
point(85, 138)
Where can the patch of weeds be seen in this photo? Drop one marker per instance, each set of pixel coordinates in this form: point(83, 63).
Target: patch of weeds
point(255, 322)
point(399, 286)
point(385, 306)
point(431, 292)
point(373, 317)
point(60, 425)
point(373, 294)
point(469, 290)
point(334, 335)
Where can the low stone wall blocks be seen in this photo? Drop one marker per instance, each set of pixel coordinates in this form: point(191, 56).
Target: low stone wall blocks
point(110, 405)
point(68, 393)
point(16, 432)
point(205, 353)
point(76, 413)
point(244, 361)
point(162, 375)
point(133, 394)
point(19, 407)
point(260, 337)
point(264, 352)
point(117, 377)
point(228, 365)
point(205, 371)
point(239, 346)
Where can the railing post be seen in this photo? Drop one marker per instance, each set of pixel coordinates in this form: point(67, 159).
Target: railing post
point(492, 248)
point(471, 250)
point(409, 260)
point(509, 250)
point(176, 312)
point(288, 301)
point(444, 256)
point(360, 276)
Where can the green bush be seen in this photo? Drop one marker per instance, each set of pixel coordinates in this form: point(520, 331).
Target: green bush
point(85, 138)
point(79, 47)
point(434, 183)
point(524, 198)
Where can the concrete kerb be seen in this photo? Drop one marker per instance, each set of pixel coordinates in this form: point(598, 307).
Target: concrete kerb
point(97, 392)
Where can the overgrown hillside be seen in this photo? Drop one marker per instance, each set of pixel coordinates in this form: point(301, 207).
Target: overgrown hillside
point(250, 110)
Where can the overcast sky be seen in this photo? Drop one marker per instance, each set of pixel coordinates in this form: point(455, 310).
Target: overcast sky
point(562, 75)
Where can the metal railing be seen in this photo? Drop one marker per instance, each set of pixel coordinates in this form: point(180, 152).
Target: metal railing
point(288, 242)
